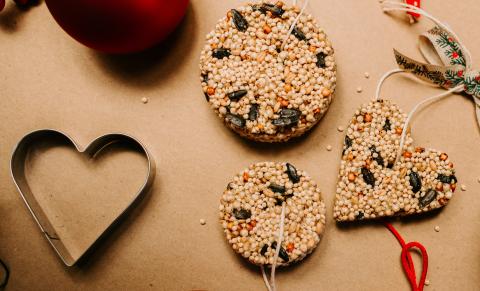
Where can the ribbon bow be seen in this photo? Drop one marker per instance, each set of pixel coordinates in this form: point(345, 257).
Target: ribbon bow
point(448, 61)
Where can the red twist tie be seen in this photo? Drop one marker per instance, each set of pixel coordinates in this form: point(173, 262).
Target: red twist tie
point(415, 3)
point(407, 261)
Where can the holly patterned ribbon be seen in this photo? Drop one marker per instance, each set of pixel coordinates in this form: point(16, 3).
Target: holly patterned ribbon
point(448, 62)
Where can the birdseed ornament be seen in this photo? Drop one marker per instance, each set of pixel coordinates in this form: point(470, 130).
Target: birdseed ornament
point(268, 71)
point(273, 215)
point(382, 173)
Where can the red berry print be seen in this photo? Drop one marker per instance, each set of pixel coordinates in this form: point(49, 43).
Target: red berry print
point(454, 55)
point(460, 73)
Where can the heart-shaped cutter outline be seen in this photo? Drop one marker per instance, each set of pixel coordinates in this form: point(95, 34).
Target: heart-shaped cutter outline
point(17, 171)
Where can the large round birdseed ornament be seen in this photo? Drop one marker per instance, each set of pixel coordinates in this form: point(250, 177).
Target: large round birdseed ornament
point(268, 79)
point(251, 213)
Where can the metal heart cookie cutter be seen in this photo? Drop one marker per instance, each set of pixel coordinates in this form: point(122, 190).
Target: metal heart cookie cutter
point(17, 168)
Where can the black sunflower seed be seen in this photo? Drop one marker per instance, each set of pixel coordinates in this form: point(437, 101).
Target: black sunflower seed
point(235, 119)
point(205, 78)
point(253, 113)
point(298, 34)
point(387, 126)
point(360, 215)
point(229, 186)
point(428, 198)
point(221, 53)
point(236, 95)
point(277, 188)
point(242, 213)
point(274, 9)
point(289, 113)
point(288, 117)
point(444, 178)
point(390, 165)
point(292, 173)
point(348, 142)
point(284, 122)
point(239, 21)
point(368, 177)
point(207, 97)
point(264, 249)
point(453, 179)
point(415, 182)
point(278, 201)
point(321, 60)
point(282, 254)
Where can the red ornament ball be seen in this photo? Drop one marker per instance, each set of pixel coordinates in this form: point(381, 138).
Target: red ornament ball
point(118, 26)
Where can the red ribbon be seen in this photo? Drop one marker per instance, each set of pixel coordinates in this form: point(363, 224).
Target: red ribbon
point(407, 261)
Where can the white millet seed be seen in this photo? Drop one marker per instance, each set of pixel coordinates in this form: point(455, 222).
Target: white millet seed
point(340, 128)
point(203, 221)
point(144, 100)
point(367, 75)
point(427, 282)
point(329, 147)
point(463, 187)
point(359, 89)
point(437, 228)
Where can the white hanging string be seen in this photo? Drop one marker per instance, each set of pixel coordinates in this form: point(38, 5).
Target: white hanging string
point(271, 285)
point(459, 88)
point(398, 6)
point(294, 22)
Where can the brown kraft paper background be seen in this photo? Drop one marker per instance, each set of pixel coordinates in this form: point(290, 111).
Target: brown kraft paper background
point(50, 81)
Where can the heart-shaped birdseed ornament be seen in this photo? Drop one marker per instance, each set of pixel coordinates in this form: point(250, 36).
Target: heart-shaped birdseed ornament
point(264, 199)
point(372, 185)
point(268, 71)
point(17, 167)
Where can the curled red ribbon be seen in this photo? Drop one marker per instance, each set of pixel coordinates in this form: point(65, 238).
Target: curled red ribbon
point(407, 261)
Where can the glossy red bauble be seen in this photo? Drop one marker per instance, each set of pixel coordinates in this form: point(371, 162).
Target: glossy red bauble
point(118, 26)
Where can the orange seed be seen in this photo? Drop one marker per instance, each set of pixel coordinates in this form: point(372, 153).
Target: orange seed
point(351, 177)
point(290, 247)
point(210, 91)
point(443, 157)
point(267, 29)
point(368, 117)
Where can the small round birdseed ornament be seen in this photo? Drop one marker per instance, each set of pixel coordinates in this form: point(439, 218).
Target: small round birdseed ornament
point(268, 71)
point(264, 199)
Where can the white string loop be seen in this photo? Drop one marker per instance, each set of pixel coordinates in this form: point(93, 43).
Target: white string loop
point(294, 22)
point(456, 89)
point(271, 283)
point(398, 6)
